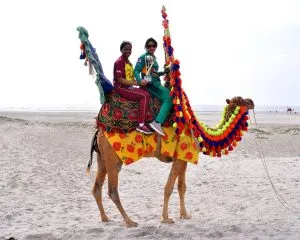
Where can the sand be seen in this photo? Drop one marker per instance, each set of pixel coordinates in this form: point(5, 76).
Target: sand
point(44, 193)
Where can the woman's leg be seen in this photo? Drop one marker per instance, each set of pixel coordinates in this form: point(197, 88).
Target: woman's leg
point(136, 94)
point(163, 94)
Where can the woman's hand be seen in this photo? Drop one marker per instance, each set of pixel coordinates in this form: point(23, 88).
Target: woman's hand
point(144, 82)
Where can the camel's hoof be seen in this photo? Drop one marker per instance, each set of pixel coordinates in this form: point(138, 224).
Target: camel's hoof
point(130, 223)
point(185, 216)
point(104, 219)
point(167, 220)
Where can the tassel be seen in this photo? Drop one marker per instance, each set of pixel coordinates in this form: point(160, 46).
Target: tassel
point(91, 69)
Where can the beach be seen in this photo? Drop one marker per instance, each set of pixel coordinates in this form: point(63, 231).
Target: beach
point(45, 193)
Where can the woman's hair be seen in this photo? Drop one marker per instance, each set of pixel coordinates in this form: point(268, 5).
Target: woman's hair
point(150, 40)
point(124, 43)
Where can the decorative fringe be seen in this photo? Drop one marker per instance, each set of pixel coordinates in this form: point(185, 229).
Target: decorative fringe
point(214, 142)
point(91, 69)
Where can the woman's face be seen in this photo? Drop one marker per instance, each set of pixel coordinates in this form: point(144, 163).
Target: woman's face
point(151, 47)
point(126, 50)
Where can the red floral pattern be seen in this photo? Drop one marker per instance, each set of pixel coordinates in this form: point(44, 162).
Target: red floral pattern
point(116, 146)
point(131, 147)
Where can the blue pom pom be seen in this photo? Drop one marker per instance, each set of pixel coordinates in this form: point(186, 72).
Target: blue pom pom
point(170, 50)
point(82, 55)
point(175, 67)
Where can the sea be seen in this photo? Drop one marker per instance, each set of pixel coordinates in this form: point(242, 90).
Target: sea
point(204, 109)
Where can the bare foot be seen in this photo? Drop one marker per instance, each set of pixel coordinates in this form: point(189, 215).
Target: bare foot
point(167, 220)
point(130, 223)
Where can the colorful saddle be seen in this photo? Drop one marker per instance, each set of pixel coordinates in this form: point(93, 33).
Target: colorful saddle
point(120, 115)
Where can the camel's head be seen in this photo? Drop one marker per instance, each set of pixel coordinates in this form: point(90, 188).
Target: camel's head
point(239, 101)
point(249, 103)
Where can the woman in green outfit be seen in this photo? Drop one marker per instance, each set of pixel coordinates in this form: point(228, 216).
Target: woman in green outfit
point(146, 74)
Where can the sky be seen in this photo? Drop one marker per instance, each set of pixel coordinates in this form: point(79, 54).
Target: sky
point(226, 48)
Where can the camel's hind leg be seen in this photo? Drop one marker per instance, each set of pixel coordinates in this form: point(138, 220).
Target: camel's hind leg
point(113, 165)
point(113, 175)
point(97, 189)
point(181, 191)
point(178, 168)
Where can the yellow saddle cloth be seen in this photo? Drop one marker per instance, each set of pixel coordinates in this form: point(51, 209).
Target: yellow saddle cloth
point(130, 147)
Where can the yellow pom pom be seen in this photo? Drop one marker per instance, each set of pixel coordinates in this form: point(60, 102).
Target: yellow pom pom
point(174, 125)
point(200, 139)
point(203, 149)
point(180, 114)
point(188, 116)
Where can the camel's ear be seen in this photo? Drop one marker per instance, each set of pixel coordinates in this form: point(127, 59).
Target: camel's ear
point(228, 101)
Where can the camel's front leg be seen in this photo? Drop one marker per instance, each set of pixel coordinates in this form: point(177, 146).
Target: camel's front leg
point(178, 167)
point(97, 189)
point(182, 190)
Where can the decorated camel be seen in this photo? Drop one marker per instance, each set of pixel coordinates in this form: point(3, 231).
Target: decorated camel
point(117, 142)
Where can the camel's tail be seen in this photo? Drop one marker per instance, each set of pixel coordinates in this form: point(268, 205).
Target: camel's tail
point(94, 147)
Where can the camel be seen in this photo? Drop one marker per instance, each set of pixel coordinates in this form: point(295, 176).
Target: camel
point(210, 141)
point(289, 110)
point(110, 164)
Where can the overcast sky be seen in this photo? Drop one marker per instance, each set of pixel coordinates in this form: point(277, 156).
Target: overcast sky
point(226, 48)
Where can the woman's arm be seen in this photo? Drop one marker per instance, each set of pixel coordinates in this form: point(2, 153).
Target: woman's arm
point(138, 69)
point(126, 82)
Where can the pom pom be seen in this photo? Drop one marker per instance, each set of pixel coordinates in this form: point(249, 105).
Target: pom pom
point(82, 55)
